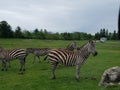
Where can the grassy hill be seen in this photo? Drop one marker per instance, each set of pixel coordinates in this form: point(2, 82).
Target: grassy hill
point(38, 75)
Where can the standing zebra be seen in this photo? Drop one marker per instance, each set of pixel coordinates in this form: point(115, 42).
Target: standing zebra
point(72, 46)
point(37, 52)
point(71, 58)
point(9, 55)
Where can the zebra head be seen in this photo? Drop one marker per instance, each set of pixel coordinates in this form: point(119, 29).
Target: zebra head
point(91, 48)
point(1, 49)
point(30, 50)
point(72, 46)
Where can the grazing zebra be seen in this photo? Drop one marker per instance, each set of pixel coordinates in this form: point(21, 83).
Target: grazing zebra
point(72, 46)
point(9, 55)
point(37, 52)
point(71, 58)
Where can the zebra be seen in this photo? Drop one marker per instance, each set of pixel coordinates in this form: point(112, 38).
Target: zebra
point(72, 46)
point(37, 52)
point(12, 54)
point(71, 58)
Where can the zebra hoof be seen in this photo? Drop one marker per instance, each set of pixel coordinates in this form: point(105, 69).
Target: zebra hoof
point(77, 79)
point(20, 69)
point(21, 73)
point(23, 69)
point(53, 78)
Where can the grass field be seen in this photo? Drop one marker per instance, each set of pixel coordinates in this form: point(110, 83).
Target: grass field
point(37, 76)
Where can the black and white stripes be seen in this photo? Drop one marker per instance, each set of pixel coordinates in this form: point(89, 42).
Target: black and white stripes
point(62, 56)
point(9, 55)
point(71, 58)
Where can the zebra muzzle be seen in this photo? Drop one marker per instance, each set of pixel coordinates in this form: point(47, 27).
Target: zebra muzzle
point(95, 54)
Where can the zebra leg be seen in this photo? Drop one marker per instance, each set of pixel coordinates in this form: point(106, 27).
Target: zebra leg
point(77, 72)
point(34, 59)
point(20, 65)
point(39, 58)
point(22, 62)
point(4, 65)
point(9, 65)
point(54, 65)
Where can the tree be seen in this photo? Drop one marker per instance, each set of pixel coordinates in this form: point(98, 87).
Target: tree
point(27, 34)
point(97, 35)
point(5, 30)
point(36, 31)
point(36, 34)
point(102, 32)
point(114, 36)
point(76, 36)
point(66, 36)
point(18, 32)
point(41, 34)
point(106, 33)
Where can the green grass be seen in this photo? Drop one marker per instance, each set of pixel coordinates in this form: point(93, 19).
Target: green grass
point(37, 76)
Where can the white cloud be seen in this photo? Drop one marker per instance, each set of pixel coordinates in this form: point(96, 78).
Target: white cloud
point(61, 15)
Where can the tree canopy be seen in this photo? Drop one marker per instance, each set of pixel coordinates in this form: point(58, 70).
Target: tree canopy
point(7, 32)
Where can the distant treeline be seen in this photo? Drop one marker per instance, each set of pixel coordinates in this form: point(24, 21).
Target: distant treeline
point(7, 32)
point(109, 35)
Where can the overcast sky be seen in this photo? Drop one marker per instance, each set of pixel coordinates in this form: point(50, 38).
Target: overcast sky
point(61, 15)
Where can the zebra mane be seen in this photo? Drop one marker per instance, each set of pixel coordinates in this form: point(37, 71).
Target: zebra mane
point(71, 46)
point(79, 48)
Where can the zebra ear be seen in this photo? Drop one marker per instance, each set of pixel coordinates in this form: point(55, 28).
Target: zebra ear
point(90, 41)
point(94, 41)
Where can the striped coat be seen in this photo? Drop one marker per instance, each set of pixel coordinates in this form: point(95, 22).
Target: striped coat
point(66, 57)
point(9, 55)
point(71, 58)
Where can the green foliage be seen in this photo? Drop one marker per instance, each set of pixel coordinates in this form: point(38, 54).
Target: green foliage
point(18, 33)
point(27, 34)
point(104, 33)
point(7, 32)
point(37, 76)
